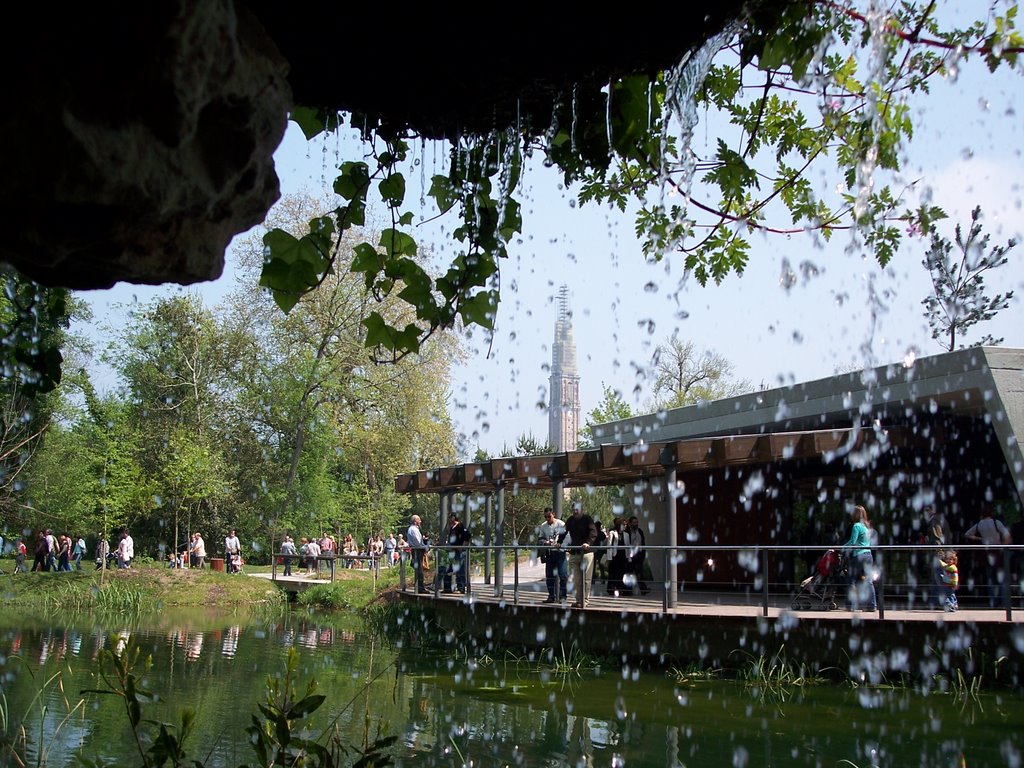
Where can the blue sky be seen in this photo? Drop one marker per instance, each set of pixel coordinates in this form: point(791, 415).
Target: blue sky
point(851, 312)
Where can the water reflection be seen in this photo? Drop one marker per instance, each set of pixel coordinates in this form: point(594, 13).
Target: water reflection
point(449, 707)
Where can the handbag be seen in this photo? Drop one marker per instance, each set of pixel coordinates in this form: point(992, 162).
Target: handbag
point(543, 555)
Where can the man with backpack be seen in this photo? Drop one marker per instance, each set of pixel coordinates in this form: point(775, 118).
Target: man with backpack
point(992, 533)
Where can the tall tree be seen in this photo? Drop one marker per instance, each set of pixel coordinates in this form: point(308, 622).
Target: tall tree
point(340, 423)
point(34, 325)
point(684, 376)
point(170, 359)
point(612, 407)
point(960, 301)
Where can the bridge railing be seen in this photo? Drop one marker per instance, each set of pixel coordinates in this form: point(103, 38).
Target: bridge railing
point(329, 563)
point(771, 575)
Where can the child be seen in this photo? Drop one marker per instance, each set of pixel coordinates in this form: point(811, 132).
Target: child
point(950, 579)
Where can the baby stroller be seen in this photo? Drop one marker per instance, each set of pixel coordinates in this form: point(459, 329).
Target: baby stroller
point(818, 591)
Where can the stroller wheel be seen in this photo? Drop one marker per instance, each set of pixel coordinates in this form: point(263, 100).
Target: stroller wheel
point(801, 603)
point(833, 606)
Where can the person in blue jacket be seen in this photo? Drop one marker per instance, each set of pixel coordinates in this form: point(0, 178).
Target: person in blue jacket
point(861, 563)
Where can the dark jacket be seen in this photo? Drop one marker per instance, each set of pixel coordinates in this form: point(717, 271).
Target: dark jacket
point(581, 530)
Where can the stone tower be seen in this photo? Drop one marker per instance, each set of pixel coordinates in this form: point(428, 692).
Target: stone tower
point(564, 409)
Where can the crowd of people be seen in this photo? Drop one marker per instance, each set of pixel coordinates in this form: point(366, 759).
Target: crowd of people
point(315, 555)
point(582, 545)
point(64, 552)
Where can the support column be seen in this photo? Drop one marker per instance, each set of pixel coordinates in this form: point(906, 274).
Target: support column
point(671, 580)
point(557, 495)
point(499, 541)
point(443, 508)
point(488, 510)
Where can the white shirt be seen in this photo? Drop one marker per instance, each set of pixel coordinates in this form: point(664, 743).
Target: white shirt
point(633, 541)
point(415, 537)
point(550, 531)
point(612, 543)
point(232, 545)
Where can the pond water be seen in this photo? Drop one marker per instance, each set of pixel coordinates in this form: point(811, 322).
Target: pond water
point(448, 708)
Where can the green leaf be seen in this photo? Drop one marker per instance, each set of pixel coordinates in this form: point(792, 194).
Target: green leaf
point(479, 309)
point(443, 192)
point(366, 259)
point(313, 122)
point(392, 189)
point(353, 181)
point(397, 243)
point(306, 706)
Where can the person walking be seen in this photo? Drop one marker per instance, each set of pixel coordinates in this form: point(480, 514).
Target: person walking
point(329, 549)
point(992, 533)
point(418, 548)
point(458, 555)
point(313, 553)
point(635, 542)
point(581, 533)
point(287, 553)
point(935, 533)
point(550, 534)
point(64, 552)
point(102, 551)
point(198, 549)
point(861, 593)
point(232, 551)
point(401, 548)
point(78, 552)
point(616, 557)
point(950, 580)
point(20, 553)
point(51, 550)
point(41, 553)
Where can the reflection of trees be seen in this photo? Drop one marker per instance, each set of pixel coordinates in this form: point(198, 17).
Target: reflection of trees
point(222, 688)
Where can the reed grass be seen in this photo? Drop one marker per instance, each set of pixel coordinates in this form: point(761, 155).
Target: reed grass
point(15, 742)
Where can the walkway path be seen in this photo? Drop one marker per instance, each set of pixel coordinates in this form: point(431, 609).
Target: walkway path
point(531, 590)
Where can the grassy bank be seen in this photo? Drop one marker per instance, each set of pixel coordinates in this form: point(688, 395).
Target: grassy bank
point(147, 588)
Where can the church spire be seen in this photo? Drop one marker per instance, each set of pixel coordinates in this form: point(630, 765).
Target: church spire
point(564, 409)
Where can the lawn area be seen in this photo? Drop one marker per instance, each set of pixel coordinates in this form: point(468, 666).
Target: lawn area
point(151, 587)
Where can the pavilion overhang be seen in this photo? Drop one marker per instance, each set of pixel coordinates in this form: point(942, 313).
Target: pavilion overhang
point(618, 464)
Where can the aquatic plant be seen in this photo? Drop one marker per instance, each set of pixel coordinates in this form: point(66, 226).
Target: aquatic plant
point(693, 671)
point(15, 745)
point(281, 735)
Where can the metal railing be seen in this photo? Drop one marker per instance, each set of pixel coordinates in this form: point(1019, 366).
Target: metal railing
point(902, 574)
point(328, 562)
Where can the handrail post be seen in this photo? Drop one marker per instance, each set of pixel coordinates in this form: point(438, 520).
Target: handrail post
point(499, 530)
point(671, 576)
point(880, 589)
point(764, 586)
point(667, 601)
point(273, 567)
point(515, 573)
point(1006, 584)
